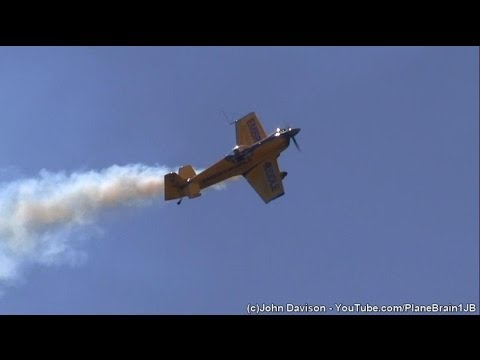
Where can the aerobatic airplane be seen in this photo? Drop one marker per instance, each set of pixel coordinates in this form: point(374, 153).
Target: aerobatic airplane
point(254, 157)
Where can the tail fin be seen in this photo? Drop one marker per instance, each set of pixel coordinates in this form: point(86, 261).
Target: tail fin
point(179, 185)
point(186, 172)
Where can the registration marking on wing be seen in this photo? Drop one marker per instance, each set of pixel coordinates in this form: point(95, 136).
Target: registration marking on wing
point(252, 127)
point(271, 178)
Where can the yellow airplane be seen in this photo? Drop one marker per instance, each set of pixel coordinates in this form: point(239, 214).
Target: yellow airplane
point(254, 157)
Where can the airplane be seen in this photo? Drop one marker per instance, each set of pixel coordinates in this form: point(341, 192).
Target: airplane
point(254, 156)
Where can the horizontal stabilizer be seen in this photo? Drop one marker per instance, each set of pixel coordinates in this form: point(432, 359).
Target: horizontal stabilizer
point(174, 185)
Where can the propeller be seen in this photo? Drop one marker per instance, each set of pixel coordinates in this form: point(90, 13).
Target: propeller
point(296, 144)
point(287, 127)
point(294, 140)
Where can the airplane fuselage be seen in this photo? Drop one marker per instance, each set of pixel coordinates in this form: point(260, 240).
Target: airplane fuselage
point(246, 159)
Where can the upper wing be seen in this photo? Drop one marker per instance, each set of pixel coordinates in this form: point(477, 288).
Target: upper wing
point(266, 179)
point(249, 130)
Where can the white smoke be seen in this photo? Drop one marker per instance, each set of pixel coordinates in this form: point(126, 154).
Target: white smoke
point(42, 218)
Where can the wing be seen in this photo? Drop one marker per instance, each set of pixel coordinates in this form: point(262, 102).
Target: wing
point(266, 179)
point(249, 130)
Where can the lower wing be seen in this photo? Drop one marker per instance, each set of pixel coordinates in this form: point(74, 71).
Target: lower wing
point(266, 180)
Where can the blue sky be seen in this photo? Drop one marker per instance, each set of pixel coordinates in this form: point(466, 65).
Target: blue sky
point(381, 205)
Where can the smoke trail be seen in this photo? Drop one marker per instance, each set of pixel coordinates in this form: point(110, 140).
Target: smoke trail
point(41, 218)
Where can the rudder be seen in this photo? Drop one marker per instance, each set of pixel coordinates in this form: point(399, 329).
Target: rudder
point(186, 172)
point(179, 185)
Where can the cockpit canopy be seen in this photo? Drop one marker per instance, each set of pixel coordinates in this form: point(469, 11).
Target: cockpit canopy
point(281, 131)
point(237, 149)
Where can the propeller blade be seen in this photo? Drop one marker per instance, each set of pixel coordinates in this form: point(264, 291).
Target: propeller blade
point(296, 144)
